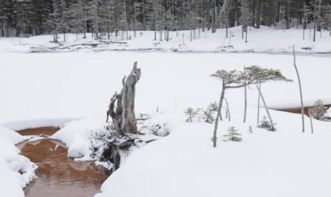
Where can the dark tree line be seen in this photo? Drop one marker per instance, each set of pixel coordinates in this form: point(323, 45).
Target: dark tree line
point(109, 17)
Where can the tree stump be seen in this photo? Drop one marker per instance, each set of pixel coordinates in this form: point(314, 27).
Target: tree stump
point(121, 107)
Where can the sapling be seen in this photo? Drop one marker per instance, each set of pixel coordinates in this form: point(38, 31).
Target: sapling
point(266, 124)
point(208, 114)
point(191, 114)
point(232, 135)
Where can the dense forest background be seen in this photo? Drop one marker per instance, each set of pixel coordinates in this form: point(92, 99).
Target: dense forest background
point(106, 17)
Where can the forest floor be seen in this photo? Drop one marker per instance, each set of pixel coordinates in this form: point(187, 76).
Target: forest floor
point(71, 90)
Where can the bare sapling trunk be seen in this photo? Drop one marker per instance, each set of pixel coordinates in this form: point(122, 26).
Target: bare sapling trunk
point(311, 121)
point(121, 108)
point(258, 106)
point(218, 116)
point(300, 88)
point(246, 39)
point(266, 107)
point(245, 100)
point(228, 114)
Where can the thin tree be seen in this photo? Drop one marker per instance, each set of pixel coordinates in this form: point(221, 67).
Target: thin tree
point(245, 100)
point(245, 18)
point(311, 120)
point(258, 105)
point(300, 89)
point(266, 107)
point(228, 114)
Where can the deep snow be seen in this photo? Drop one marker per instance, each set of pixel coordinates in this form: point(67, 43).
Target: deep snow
point(285, 163)
point(72, 91)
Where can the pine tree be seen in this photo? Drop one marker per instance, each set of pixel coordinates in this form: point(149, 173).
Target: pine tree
point(78, 17)
point(7, 14)
point(232, 135)
point(245, 18)
point(41, 11)
point(93, 16)
point(23, 12)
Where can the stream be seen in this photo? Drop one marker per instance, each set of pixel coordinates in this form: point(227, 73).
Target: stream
point(58, 175)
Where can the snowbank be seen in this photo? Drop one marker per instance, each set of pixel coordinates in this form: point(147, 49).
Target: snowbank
point(285, 163)
point(16, 170)
point(25, 124)
point(77, 136)
point(83, 136)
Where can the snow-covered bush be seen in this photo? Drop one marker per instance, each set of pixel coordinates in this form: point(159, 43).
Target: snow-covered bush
point(208, 114)
point(200, 114)
point(149, 125)
point(232, 135)
point(266, 124)
point(191, 114)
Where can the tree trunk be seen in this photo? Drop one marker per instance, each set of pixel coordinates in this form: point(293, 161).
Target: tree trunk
point(266, 107)
point(214, 17)
point(227, 109)
point(258, 106)
point(315, 26)
point(245, 101)
point(246, 39)
point(287, 14)
point(258, 14)
point(311, 121)
point(218, 116)
point(300, 88)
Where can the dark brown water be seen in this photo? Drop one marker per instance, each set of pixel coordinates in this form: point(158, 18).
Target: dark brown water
point(57, 175)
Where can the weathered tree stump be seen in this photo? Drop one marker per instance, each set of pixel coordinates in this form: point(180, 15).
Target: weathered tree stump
point(121, 107)
point(122, 112)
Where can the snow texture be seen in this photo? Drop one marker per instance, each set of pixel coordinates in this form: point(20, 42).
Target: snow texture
point(16, 170)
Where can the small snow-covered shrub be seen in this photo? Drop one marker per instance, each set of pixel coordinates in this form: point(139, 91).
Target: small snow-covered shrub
point(191, 114)
point(232, 135)
point(266, 124)
point(148, 125)
point(200, 114)
point(250, 129)
point(208, 114)
point(159, 129)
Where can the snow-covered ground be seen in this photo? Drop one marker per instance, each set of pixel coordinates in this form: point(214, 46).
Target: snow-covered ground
point(16, 170)
point(45, 89)
point(265, 40)
point(286, 163)
point(75, 85)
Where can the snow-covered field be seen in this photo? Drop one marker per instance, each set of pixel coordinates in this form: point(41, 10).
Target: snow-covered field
point(44, 89)
point(75, 85)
